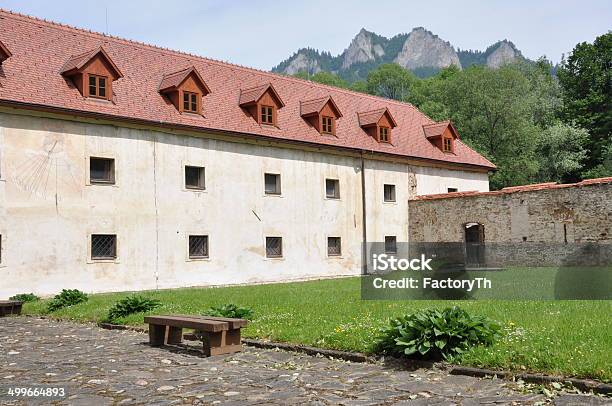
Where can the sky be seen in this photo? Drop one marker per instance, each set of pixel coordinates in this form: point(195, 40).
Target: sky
point(262, 33)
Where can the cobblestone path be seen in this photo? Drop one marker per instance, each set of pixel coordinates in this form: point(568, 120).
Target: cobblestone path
point(100, 367)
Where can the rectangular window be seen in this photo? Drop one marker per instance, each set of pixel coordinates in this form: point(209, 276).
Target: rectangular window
point(389, 193)
point(383, 134)
point(332, 188)
point(198, 246)
point(390, 244)
point(448, 145)
point(97, 86)
point(274, 247)
point(190, 102)
point(101, 170)
point(273, 184)
point(194, 177)
point(327, 125)
point(452, 190)
point(267, 115)
point(334, 246)
point(103, 246)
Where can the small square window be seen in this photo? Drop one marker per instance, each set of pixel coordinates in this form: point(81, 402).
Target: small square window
point(334, 246)
point(97, 86)
point(274, 247)
point(383, 134)
point(332, 188)
point(103, 246)
point(327, 125)
point(273, 184)
point(267, 116)
point(190, 102)
point(198, 246)
point(452, 190)
point(101, 170)
point(390, 244)
point(194, 177)
point(448, 145)
point(389, 193)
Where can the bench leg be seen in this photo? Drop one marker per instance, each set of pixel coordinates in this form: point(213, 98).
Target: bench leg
point(175, 335)
point(157, 334)
point(222, 342)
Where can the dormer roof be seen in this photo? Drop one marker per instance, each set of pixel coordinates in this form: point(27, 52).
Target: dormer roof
point(77, 62)
point(252, 95)
point(370, 118)
point(4, 52)
point(314, 106)
point(172, 81)
point(434, 130)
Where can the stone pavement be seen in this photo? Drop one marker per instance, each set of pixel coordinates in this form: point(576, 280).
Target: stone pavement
point(100, 367)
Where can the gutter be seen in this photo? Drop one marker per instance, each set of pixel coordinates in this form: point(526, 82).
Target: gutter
point(364, 219)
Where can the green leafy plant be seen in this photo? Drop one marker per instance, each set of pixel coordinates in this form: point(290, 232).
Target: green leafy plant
point(25, 297)
point(230, 310)
point(436, 334)
point(132, 304)
point(67, 297)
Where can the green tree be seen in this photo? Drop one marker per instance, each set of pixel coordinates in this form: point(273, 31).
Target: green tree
point(391, 81)
point(325, 78)
point(560, 151)
point(586, 79)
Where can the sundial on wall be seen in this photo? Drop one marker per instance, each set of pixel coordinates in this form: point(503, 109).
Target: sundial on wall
point(46, 171)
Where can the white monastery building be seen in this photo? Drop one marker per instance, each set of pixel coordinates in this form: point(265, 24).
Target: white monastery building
point(124, 166)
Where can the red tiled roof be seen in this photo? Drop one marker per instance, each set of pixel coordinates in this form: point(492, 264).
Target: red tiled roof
point(76, 62)
point(173, 80)
point(253, 94)
point(435, 129)
point(40, 50)
point(371, 117)
point(315, 106)
point(516, 189)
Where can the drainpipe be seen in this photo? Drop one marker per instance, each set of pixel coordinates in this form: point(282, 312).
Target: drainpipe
point(364, 250)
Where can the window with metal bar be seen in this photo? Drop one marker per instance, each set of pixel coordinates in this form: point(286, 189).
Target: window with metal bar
point(103, 246)
point(274, 247)
point(198, 246)
point(272, 184)
point(389, 193)
point(390, 244)
point(334, 246)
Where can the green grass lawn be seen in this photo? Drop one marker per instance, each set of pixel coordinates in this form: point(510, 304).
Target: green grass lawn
point(572, 338)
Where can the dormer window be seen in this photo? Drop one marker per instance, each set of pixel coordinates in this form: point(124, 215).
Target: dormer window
point(383, 134)
point(184, 89)
point(92, 73)
point(4, 53)
point(321, 114)
point(97, 86)
point(442, 135)
point(378, 124)
point(190, 102)
point(262, 103)
point(267, 115)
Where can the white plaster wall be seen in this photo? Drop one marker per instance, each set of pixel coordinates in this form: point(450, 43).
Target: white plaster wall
point(436, 180)
point(48, 209)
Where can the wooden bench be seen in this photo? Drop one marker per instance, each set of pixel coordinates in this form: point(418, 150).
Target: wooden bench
point(8, 307)
point(221, 335)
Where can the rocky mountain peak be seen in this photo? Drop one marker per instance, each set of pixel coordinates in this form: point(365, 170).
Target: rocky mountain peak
point(424, 49)
point(504, 52)
point(302, 62)
point(363, 48)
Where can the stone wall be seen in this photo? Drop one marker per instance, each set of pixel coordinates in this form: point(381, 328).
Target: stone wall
point(544, 224)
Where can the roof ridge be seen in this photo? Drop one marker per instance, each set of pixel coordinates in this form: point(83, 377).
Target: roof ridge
point(29, 18)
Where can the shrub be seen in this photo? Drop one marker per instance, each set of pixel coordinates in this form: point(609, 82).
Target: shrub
point(436, 334)
point(130, 305)
point(25, 297)
point(67, 297)
point(230, 310)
